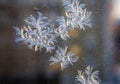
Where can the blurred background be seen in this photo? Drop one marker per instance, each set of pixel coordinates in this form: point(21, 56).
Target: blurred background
point(98, 46)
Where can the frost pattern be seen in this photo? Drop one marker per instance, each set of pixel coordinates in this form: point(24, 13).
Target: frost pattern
point(63, 57)
point(37, 33)
point(88, 76)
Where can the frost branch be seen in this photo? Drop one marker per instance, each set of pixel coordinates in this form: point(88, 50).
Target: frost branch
point(88, 76)
point(63, 57)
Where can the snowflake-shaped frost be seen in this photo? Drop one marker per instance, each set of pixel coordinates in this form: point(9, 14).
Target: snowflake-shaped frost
point(76, 17)
point(76, 13)
point(88, 76)
point(37, 34)
point(63, 57)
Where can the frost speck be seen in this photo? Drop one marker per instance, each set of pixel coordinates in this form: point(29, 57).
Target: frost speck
point(88, 76)
point(63, 57)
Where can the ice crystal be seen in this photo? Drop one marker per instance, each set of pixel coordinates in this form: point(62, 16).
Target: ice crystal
point(77, 15)
point(63, 57)
point(88, 76)
point(37, 33)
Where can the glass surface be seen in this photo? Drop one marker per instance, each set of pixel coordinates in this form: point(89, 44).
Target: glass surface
point(98, 46)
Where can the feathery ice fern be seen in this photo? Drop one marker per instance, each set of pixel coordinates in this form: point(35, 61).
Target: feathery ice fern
point(63, 57)
point(37, 33)
point(88, 76)
point(76, 17)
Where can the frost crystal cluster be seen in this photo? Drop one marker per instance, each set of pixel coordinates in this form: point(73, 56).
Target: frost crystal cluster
point(39, 33)
point(88, 76)
point(63, 57)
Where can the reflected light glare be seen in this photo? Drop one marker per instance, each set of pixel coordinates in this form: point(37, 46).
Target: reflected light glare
point(74, 33)
point(116, 9)
point(76, 49)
